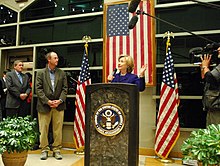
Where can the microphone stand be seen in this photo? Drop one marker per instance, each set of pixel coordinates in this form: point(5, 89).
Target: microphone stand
point(176, 26)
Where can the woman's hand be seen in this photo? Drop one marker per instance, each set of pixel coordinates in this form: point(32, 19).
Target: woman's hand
point(110, 77)
point(142, 71)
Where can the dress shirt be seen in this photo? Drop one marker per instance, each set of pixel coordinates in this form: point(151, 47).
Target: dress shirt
point(52, 77)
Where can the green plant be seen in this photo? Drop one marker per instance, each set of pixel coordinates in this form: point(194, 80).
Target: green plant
point(18, 134)
point(203, 145)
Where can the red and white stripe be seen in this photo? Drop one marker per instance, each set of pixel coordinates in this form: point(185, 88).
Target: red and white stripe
point(137, 44)
point(79, 121)
point(167, 131)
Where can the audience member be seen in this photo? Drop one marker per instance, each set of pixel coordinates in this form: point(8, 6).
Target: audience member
point(51, 89)
point(18, 89)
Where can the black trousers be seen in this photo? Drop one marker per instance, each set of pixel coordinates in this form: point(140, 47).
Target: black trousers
point(2, 107)
point(22, 111)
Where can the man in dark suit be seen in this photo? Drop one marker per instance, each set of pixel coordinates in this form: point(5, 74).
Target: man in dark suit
point(18, 89)
point(3, 92)
point(51, 89)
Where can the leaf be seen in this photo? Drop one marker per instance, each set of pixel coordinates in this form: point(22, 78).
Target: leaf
point(203, 145)
point(18, 134)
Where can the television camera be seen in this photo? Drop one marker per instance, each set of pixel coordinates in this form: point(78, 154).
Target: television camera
point(196, 53)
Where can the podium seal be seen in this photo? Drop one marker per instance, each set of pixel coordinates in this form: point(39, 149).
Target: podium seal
point(109, 119)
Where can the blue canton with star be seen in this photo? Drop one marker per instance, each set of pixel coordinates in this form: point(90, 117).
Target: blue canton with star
point(168, 71)
point(117, 20)
point(84, 74)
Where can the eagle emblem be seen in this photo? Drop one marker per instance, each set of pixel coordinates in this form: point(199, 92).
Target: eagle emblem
point(109, 119)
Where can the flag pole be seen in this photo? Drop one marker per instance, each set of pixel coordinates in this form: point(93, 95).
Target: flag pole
point(167, 35)
point(86, 39)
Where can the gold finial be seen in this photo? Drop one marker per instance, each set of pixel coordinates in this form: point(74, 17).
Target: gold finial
point(168, 34)
point(86, 39)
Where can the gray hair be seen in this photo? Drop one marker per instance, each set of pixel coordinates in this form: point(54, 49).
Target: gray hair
point(17, 62)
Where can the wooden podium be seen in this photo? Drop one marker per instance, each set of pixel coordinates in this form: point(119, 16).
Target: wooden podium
point(112, 125)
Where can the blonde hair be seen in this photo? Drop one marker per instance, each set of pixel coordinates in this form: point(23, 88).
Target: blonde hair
point(129, 61)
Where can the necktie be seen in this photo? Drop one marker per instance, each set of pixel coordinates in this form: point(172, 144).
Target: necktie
point(20, 77)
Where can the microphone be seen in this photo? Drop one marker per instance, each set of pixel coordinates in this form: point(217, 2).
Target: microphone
point(133, 5)
point(133, 22)
point(114, 72)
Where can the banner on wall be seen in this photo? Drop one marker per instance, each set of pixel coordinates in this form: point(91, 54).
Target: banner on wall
point(138, 42)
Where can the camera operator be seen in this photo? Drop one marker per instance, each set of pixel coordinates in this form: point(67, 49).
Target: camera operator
point(212, 81)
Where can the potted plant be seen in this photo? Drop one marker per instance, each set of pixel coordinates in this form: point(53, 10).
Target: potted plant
point(203, 145)
point(17, 136)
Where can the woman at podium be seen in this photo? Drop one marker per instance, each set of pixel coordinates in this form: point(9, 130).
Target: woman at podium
point(125, 67)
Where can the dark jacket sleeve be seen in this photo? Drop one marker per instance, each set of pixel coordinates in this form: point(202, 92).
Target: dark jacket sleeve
point(209, 78)
point(1, 89)
point(140, 82)
point(213, 77)
point(12, 86)
point(39, 87)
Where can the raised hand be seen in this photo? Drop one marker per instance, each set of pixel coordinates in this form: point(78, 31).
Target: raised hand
point(142, 70)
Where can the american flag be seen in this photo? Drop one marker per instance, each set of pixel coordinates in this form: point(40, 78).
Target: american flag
point(79, 120)
point(137, 42)
point(167, 132)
